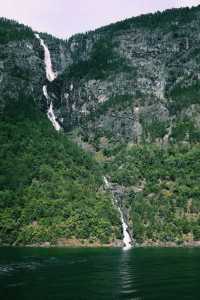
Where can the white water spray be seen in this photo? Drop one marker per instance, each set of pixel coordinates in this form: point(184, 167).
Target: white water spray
point(51, 76)
point(126, 236)
point(52, 118)
point(107, 184)
point(50, 112)
point(45, 93)
point(127, 239)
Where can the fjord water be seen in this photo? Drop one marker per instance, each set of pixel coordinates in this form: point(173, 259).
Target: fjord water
point(99, 274)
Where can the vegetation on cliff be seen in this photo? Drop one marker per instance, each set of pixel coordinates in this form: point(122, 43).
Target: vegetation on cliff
point(162, 190)
point(11, 30)
point(50, 188)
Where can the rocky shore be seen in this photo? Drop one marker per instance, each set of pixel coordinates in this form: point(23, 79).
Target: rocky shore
point(75, 243)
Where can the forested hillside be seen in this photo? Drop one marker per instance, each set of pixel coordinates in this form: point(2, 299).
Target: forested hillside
point(161, 191)
point(50, 188)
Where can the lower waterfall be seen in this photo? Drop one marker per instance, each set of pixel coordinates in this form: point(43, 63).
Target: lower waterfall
point(126, 236)
point(50, 112)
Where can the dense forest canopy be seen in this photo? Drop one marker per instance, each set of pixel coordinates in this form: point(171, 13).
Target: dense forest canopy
point(50, 188)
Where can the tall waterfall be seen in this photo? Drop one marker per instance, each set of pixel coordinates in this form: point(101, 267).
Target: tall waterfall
point(51, 76)
point(126, 236)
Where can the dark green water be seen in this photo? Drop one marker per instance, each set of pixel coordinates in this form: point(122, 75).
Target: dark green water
point(99, 274)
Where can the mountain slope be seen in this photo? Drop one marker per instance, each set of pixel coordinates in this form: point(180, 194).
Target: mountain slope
point(50, 188)
point(128, 93)
point(160, 190)
point(137, 80)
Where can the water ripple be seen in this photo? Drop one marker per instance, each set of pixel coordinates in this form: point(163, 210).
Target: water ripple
point(99, 274)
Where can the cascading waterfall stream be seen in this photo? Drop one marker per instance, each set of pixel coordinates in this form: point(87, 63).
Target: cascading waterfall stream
point(50, 112)
point(51, 76)
point(126, 236)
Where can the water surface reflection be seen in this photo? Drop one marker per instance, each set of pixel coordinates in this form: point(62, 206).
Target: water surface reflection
point(99, 274)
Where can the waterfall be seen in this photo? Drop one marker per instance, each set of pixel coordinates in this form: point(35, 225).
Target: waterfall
point(50, 112)
point(45, 93)
point(51, 76)
point(126, 236)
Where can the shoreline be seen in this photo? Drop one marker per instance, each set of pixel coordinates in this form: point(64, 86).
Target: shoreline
point(116, 244)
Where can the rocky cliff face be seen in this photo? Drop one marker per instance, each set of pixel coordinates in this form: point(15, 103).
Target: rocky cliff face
point(136, 80)
point(22, 69)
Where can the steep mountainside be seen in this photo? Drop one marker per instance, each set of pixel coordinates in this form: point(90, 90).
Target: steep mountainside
point(129, 93)
point(22, 69)
point(50, 190)
point(136, 80)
